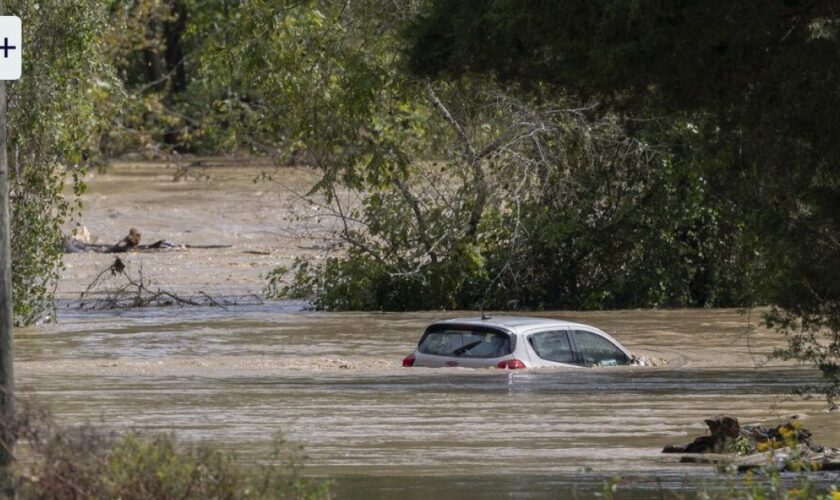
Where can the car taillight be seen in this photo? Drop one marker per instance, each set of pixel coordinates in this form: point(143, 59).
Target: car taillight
point(511, 364)
point(409, 360)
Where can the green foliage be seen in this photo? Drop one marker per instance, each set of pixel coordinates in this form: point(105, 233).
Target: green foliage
point(813, 339)
point(87, 462)
point(758, 82)
point(741, 446)
point(226, 75)
point(618, 224)
point(594, 154)
point(571, 213)
point(465, 200)
point(471, 196)
point(171, 104)
point(318, 84)
point(135, 44)
point(53, 128)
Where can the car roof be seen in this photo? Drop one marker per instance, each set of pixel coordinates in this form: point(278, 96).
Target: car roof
point(515, 324)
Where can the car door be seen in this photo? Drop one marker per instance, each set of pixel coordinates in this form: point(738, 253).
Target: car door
point(551, 347)
point(595, 349)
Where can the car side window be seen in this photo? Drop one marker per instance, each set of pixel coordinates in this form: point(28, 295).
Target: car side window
point(594, 349)
point(552, 346)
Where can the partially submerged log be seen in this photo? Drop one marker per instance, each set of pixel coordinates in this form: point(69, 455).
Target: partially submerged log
point(130, 243)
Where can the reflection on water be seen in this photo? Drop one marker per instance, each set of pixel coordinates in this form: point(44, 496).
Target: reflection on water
point(334, 382)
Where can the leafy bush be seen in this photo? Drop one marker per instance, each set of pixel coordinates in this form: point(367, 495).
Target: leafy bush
point(530, 206)
point(58, 462)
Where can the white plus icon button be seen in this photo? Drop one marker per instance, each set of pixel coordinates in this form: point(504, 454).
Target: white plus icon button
point(10, 48)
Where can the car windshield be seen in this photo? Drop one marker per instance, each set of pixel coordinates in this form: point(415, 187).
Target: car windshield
point(465, 343)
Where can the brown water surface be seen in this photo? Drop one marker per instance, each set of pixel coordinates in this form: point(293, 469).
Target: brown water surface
point(334, 383)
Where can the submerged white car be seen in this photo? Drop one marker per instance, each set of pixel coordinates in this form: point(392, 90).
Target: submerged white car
point(513, 342)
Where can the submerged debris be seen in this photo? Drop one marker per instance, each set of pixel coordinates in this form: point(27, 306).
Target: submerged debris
point(115, 288)
point(642, 360)
point(786, 447)
point(187, 172)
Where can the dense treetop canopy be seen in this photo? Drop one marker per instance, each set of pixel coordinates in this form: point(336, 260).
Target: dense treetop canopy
point(674, 54)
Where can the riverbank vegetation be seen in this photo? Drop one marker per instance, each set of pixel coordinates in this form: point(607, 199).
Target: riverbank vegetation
point(58, 462)
point(489, 154)
point(53, 127)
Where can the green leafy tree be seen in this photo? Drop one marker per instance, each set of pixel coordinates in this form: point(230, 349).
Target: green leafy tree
point(53, 132)
point(460, 193)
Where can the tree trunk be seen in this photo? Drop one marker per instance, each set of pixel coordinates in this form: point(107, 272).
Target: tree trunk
point(7, 379)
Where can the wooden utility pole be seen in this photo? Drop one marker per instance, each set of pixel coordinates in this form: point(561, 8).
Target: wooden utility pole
point(7, 379)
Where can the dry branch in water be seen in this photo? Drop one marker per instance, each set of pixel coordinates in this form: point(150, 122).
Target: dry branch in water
point(116, 288)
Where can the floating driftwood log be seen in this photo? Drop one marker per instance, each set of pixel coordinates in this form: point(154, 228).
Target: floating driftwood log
point(131, 243)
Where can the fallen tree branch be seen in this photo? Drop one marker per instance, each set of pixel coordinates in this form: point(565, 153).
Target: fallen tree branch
point(115, 288)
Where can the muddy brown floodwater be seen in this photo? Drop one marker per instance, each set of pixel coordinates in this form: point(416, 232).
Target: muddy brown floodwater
point(333, 381)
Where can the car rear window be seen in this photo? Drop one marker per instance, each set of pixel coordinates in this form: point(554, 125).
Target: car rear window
point(463, 343)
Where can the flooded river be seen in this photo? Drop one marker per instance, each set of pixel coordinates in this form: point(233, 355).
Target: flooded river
point(333, 382)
